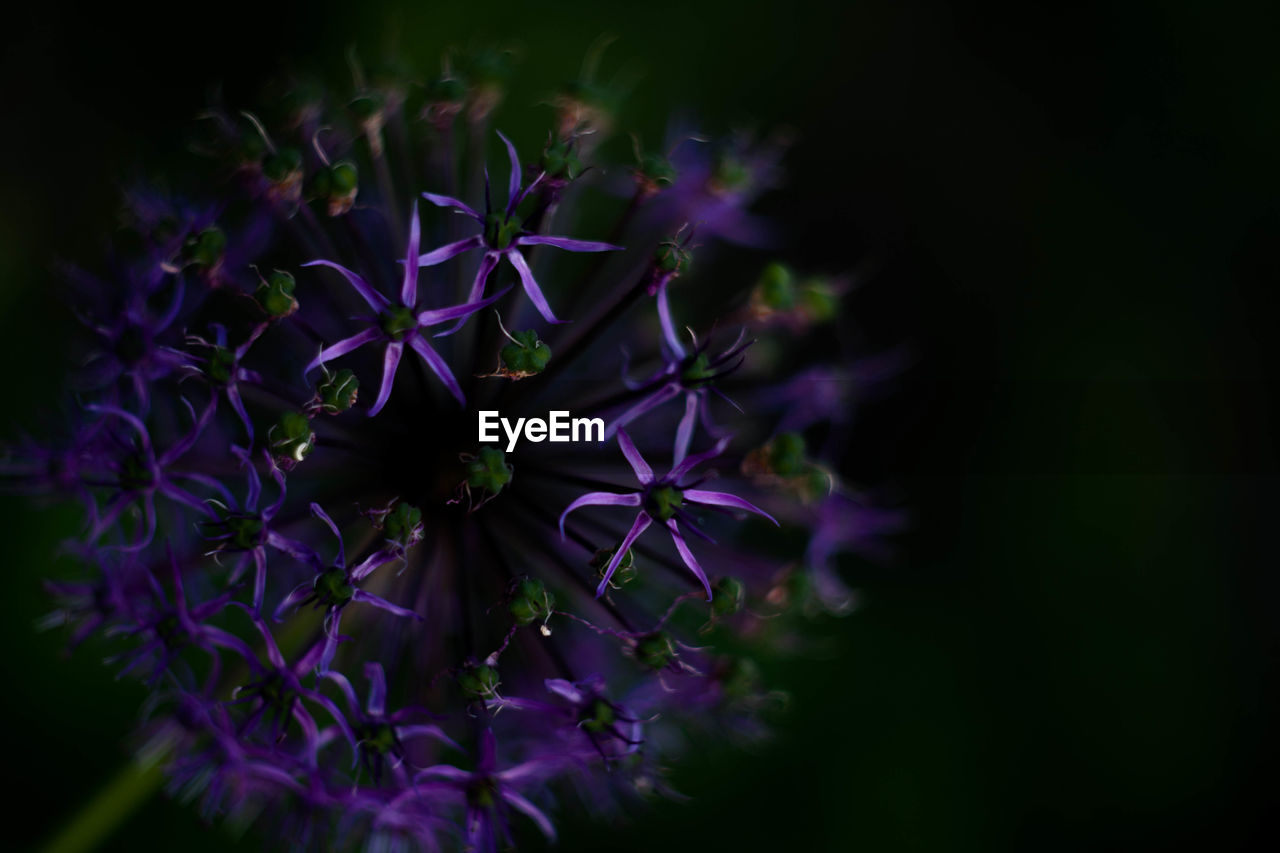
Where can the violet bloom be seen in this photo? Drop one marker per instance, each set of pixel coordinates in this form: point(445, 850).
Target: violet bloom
point(140, 474)
point(221, 366)
point(662, 499)
point(400, 324)
point(489, 792)
point(691, 374)
point(244, 529)
point(502, 236)
point(333, 589)
point(381, 734)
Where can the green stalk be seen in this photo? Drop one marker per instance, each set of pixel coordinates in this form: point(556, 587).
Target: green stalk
point(110, 807)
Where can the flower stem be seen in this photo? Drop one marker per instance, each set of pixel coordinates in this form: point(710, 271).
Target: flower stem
point(111, 806)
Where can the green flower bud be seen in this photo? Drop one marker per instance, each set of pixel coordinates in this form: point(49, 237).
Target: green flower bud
point(337, 392)
point(403, 524)
point(284, 166)
point(206, 248)
point(222, 364)
point(478, 681)
point(776, 288)
point(819, 300)
point(655, 651)
point(275, 295)
point(670, 258)
point(560, 161)
point(525, 356)
point(597, 717)
point(291, 437)
point(488, 470)
point(787, 454)
point(531, 602)
point(728, 598)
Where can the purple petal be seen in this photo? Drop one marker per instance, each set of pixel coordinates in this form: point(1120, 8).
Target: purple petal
point(534, 813)
point(531, 286)
point(684, 432)
point(657, 398)
point(487, 264)
point(259, 579)
point(700, 496)
point(687, 556)
point(293, 548)
point(697, 459)
point(513, 180)
point(319, 513)
point(641, 525)
point(376, 300)
point(438, 315)
point(449, 201)
point(383, 604)
point(438, 367)
point(599, 499)
point(343, 347)
point(344, 686)
point(643, 472)
point(233, 397)
point(390, 361)
point(409, 285)
point(377, 689)
point(668, 325)
point(567, 243)
point(451, 250)
point(564, 689)
point(293, 599)
point(426, 730)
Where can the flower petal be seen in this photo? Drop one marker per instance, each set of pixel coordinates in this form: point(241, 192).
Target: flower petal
point(697, 459)
point(513, 180)
point(383, 604)
point(684, 432)
point(643, 472)
point(450, 250)
point(687, 556)
point(438, 367)
point(343, 347)
point(435, 316)
point(449, 201)
point(600, 499)
point(376, 300)
point(487, 264)
point(567, 243)
point(701, 496)
point(390, 361)
point(531, 286)
point(641, 525)
point(409, 284)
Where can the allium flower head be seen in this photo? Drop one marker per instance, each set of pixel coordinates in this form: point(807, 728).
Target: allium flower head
point(360, 617)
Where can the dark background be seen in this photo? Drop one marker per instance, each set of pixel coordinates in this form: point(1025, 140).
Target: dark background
point(1072, 214)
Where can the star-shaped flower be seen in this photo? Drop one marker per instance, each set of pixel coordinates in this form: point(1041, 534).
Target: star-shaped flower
point(399, 325)
point(662, 499)
point(502, 236)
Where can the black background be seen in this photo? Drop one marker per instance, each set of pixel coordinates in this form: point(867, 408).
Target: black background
point(1072, 217)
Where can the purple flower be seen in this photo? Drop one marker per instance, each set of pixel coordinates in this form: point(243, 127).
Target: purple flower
point(400, 324)
point(662, 499)
point(502, 236)
point(333, 589)
point(221, 366)
point(690, 374)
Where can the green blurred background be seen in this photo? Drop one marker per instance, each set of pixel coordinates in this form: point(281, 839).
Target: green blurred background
point(1072, 218)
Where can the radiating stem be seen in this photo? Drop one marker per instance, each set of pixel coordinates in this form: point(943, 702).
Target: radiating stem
point(108, 809)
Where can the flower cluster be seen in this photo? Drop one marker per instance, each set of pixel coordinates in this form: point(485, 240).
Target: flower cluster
point(354, 617)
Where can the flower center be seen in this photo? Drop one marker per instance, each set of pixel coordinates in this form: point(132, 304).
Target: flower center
point(500, 230)
point(398, 321)
point(662, 502)
point(332, 588)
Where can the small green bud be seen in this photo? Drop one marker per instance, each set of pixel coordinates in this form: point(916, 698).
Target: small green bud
point(488, 470)
point(275, 295)
point(560, 161)
point(655, 651)
point(819, 300)
point(787, 454)
point(291, 437)
point(670, 258)
point(531, 602)
point(403, 524)
point(776, 288)
point(368, 105)
point(656, 171)
point(478, 681)
point(337, 392)
point(206, 248)
point(284, 166)
point(246, 531)
point(526, 356)
point(728, 598)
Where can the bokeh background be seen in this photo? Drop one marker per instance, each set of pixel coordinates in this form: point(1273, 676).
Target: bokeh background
point(1069, 213)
